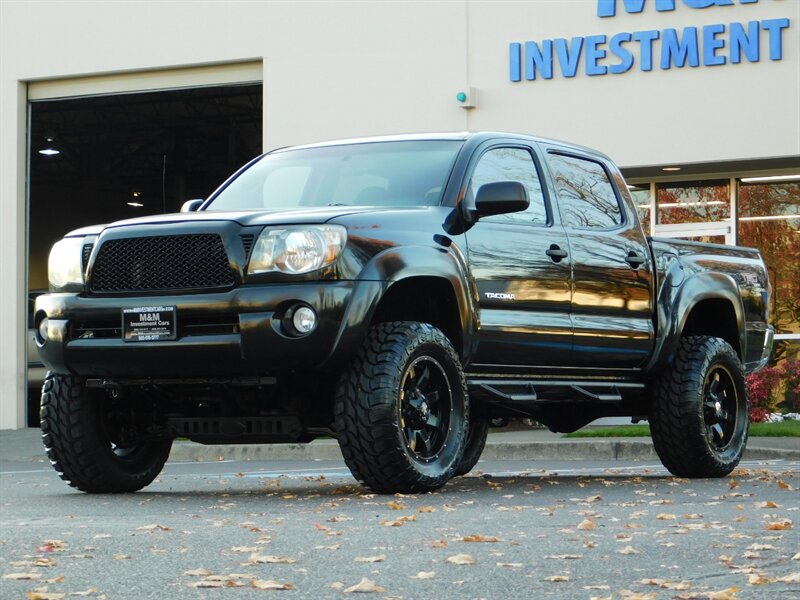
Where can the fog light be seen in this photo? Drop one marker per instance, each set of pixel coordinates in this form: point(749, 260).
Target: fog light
point(304, 319)
point(43, 331)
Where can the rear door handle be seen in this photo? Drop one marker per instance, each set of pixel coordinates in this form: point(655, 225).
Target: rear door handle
point(556, 253)
point(634, 259)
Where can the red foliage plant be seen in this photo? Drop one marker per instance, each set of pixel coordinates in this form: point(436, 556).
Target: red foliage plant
point(762, 387)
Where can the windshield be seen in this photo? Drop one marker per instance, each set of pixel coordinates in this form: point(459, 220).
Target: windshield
point(411, 173)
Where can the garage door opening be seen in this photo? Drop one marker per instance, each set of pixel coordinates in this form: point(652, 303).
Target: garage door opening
point(100, 159)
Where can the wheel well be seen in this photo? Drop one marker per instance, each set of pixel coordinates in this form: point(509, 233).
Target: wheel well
point(716, 318)
point(426, 299)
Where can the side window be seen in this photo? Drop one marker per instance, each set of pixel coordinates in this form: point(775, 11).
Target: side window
point(511, 164)
point(585, 194)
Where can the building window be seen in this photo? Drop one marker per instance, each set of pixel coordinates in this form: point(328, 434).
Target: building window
point(769, 219)
point(641, 200)
point(693, 202)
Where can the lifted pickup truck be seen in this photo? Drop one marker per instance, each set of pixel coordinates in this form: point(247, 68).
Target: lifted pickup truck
point(397, 293)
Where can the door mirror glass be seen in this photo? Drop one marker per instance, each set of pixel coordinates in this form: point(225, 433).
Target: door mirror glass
point(501, 197)
point(192, 205)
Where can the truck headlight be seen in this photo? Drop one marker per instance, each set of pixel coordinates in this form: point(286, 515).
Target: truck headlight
point(64, 267)
point(296, 250)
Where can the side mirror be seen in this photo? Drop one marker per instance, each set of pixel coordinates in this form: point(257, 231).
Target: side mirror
point(192, 205)
point(501, 197)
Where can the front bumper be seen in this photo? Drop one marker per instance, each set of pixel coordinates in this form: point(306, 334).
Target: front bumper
point(223, 334)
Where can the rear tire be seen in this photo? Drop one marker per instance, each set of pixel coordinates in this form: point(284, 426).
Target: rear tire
point(402, 410)
point(700, 414)
point(80, 448)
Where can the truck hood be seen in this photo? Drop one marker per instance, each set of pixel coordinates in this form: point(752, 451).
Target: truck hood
point(300, 216)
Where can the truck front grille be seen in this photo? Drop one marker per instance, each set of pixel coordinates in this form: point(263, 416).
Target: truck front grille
point(162, 263)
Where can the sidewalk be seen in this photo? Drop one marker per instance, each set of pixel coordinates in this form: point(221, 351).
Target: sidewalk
point(519, 444)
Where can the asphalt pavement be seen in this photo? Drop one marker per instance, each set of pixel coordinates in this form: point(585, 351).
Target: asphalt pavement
point(512, 529)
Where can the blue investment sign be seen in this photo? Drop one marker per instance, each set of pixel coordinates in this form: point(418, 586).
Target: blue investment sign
point(709, 45)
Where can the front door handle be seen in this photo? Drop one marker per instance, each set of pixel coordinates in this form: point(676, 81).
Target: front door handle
point(635, 259)
point(556, 253)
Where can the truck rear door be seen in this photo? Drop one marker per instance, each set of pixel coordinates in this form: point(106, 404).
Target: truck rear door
point(612, 274)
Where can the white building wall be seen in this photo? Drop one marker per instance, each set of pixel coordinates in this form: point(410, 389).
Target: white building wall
point(343, 69)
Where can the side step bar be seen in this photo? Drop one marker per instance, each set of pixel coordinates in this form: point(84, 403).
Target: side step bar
point(556, 390)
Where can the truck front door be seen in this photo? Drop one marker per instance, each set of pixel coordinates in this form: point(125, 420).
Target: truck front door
point(521, 268)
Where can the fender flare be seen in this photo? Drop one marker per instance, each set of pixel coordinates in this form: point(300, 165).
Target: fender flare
point(392, 266)
point(677, 299)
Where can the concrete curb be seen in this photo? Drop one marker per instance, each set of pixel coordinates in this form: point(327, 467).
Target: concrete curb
point(585, 449)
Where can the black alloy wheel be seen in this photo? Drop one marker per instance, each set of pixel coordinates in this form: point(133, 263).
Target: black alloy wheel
point(426, 402)
point(720, 407)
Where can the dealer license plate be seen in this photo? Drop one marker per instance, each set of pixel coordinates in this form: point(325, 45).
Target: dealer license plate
point(149, 324)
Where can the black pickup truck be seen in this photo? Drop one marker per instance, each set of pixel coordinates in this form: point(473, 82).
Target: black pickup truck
point(400, 294)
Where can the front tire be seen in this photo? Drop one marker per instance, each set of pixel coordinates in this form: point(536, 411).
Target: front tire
point(473, 448)
point(700, 414)
point(85, 450)
point(402, 409)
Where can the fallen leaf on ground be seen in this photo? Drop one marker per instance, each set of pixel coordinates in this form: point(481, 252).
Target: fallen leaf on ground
point(461, 559)
point(153, 528)
point(205, 583)
point(565, 556)
point(783, 485)
point(628, 550)
point(778, 525)
point(270, 559)
point(394, 505)
point(757, 579)
point(796, 556)
point(424, 575)
point(426, 509)
point(439, 544)
point(665, 517)
point(22, 576)
point(269, 584)
point(629, 595)
point(793, 578)
point(726, 594)
point(44, 595)
point(52, 546)
point(88, 592)
point(767, 504)
point(244, 549)
point(337, 585)
point(587, 524)
point(557, 578)
point(122, 557)
point(512, 565)
point(479, 538)
point(339, 519)
point(364, 586)
point(758, 547)
point(198, 573)
point(102, 536)
point(371, 559)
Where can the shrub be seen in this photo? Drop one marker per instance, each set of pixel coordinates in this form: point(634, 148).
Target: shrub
point(774, 388)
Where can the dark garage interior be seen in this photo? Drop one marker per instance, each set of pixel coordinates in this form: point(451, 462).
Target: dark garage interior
point(100, 159)
point(103, 158)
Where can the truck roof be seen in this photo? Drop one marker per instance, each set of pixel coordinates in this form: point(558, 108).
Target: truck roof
point(446, 135)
